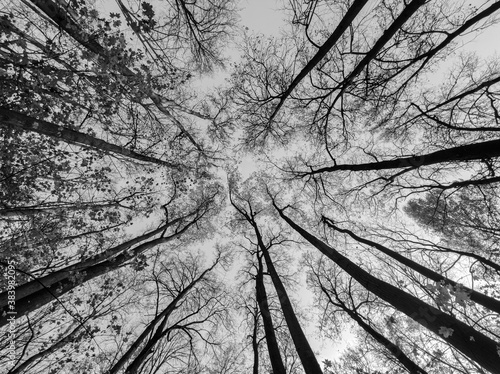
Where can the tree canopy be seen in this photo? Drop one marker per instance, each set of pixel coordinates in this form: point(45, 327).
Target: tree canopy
point(327, 203)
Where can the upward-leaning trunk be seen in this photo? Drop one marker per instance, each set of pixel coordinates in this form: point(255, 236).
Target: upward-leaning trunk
point(23, 122)
point(478, 297)
point(45, 295)
point(469, 152)
point(306, 354)
point(272, 343)
point(344, 23)
point(412, 367)
point(48, 280)
point(473, 344)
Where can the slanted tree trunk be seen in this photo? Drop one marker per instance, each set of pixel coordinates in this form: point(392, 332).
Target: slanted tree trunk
point(468, 152)
point(67, 281)
point(344, 23)
point(478, 297)
point(304, 350)
point(272, 343)
point(48, 280)
point(23, 122)
point(405, 361)
point(62, 19)
point(473, 344)
point(306, 354)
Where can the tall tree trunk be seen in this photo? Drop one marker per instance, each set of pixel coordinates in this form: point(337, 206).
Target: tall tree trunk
point(306, 354)
point(468, 152)
point(255, 341)
point(478, 297)
point(48, 280)
point(412, 367)
point(473, 344)
point(344, 23)
point(272, 343)
point(26, 123)
point(46, 294)
point(304, 350)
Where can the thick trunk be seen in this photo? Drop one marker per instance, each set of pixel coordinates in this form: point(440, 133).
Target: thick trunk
point(272, 343)
point(469, 152)
point(26, 123)
point(45, 295)
point(255, 342)
point(473, 344)
point(478, 297)
point(412, 367)
point(38, 284)
point(344, 23)
point(405, 15)
point(306, 354)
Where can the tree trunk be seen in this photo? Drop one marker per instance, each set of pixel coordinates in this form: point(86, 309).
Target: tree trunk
point(478, 297)
point(344, 23)
point(473, 344)
point(26, 123)
point(272, 343)
point(304, 350)
point(412, 367)
point(48, 280)
point(469, 152)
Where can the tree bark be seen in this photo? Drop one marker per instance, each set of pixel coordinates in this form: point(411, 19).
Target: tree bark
point(26, 123)
point(46, 294)
point(344, 23)
point(272, 343)
point(304, 350)
point(163, 316)
point(408, 363)
point(473, 344)
point(468, 152)
point(478, 297)
point(60, 17)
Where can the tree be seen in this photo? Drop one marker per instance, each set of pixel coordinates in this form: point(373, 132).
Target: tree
point(427, 315)
point(304, 350)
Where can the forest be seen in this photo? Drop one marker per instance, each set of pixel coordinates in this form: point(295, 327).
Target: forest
point(180, 193)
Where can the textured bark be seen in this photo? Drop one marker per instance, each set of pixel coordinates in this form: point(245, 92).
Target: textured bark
point(47, 294)
point(272, 343)
point(469, 152)
point(26, 123)
point(473, 344)
point(478, 297)
point(48, 280)
point(67, 283)
point(255, 342)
